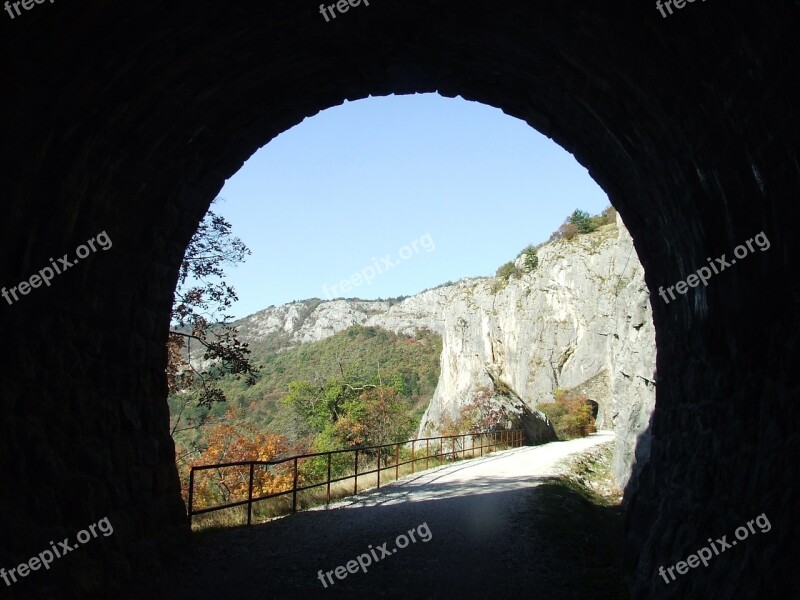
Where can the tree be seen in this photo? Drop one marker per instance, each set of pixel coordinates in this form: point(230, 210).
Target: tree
point(482, 413)
point(571, 415)
point(582, 220)
point(385, 417)
point(234, 441)
point(346, 412)
point(531, 258)
point(199, 318)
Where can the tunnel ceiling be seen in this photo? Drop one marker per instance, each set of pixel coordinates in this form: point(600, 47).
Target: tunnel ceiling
point(127, 117)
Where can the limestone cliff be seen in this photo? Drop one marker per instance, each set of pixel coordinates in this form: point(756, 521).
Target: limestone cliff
point(580, 320)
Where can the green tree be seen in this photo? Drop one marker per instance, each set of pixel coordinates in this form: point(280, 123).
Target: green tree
point(339, 414)
point(583, 221)
point(531, 260)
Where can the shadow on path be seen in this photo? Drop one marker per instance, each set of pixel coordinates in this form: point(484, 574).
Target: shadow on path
point(477, 548)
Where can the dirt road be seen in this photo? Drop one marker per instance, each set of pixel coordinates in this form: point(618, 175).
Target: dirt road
point(479, 541)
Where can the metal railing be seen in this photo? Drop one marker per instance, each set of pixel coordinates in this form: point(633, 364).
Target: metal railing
point(506, 438)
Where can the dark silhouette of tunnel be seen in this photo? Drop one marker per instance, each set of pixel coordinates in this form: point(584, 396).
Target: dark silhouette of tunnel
point(593, 406)
point(127, 117)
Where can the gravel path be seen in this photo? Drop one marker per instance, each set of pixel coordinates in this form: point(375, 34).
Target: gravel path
point(480, 543)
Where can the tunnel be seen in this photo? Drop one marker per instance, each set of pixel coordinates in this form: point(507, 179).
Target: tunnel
point(126, 118)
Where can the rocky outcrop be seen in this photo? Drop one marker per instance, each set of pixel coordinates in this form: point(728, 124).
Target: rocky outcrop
point(581, 320)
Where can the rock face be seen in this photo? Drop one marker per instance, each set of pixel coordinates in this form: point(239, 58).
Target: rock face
point(581, 320)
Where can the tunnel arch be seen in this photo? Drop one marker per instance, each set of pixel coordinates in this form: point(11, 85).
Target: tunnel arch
point(127, 118)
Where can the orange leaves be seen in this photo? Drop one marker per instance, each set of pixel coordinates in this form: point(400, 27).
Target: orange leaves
point(350, 431)
point(232, 441)
point(571, 415)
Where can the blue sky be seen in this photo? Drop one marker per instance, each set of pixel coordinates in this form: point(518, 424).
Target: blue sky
point(348, 192)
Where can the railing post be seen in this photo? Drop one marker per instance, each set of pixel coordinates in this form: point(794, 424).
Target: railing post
point(191, 495)
point(355, 486)
point(481, 446)
point(412, 456)
point(250, 495)
point(329, 478)
point(427, 451)
point(379, 468)
point(294, 488)
point(396, 462)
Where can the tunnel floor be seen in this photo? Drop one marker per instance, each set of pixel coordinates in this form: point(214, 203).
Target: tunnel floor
point(472, 514)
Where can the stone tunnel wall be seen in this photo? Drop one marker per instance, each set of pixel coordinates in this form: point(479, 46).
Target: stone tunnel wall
point(126, 117)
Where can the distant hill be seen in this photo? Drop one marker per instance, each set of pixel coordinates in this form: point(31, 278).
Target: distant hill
point(369, 351)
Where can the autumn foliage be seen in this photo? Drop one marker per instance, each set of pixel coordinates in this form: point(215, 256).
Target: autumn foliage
point(481, 413)
point(571, 415)
point(233, 441)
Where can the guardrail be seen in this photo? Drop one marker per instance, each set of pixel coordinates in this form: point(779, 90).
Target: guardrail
point(506, 438)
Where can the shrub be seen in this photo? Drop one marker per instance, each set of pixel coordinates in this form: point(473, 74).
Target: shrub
point(582, 220)
point(567, 231)
point(531, 260)
point(507, 270)
point(610, 215)
point(570, 414)
point(481, 413)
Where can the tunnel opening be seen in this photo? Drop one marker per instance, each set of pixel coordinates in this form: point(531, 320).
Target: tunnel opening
point(545, 171)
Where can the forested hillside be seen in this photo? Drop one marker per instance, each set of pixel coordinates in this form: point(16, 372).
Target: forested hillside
point(369, 356)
